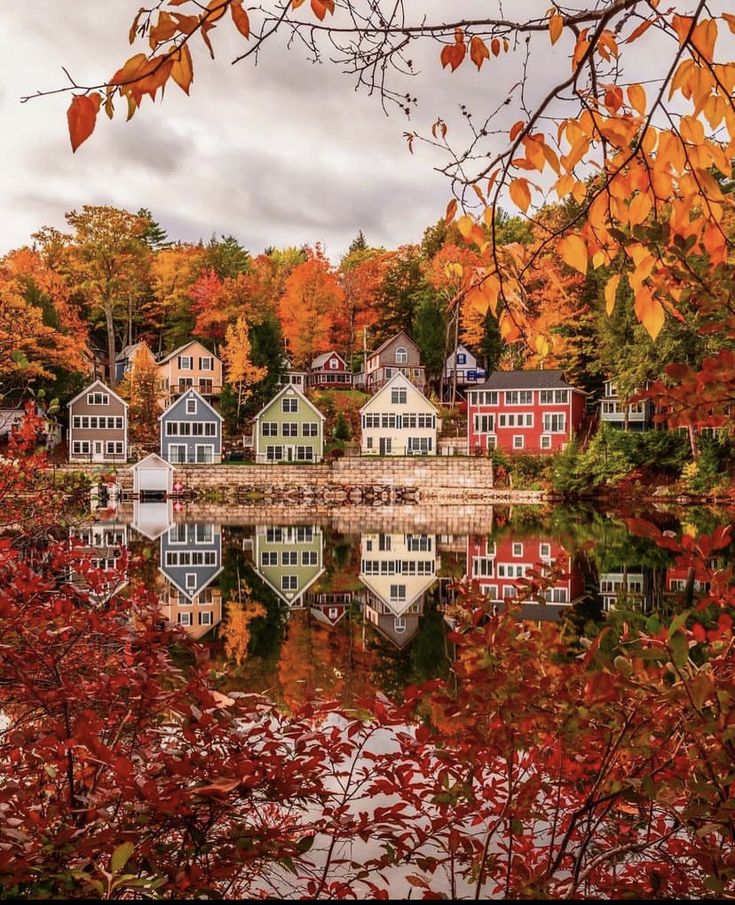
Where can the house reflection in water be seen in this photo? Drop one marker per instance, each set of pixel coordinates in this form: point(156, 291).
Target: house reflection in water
point(190, 561)
point(104, 542)
point(498, 565)
point(397, 571)
point(329, 607)
point(289, 560)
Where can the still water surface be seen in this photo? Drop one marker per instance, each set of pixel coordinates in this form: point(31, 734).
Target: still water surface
point(340, 608)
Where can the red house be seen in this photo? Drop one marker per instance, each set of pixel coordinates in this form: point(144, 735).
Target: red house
point(329, 370)
point(523, 411)
point(497, 566)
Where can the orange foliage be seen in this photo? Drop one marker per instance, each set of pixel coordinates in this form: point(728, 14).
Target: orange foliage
point(309, 308)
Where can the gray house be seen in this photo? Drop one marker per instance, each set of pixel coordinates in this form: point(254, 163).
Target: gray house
point(191, 431)
point(191, 556)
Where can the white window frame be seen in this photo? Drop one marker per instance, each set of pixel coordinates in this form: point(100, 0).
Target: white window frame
point(191, 406)
point(401, 355)
point(519, 441)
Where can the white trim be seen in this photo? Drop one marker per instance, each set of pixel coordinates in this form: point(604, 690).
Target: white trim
point(89, 388)
point(190, 392)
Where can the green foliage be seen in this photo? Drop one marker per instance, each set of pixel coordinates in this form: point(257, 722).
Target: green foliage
point(226, 257)
point(429, 332)
point(154, 235)
point(266, 342)
point(493, 343)
point(342, 429)
point(708, 473)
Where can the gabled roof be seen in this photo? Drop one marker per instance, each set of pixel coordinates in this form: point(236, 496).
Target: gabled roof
point(178, 351)
point(526, 380)
point(152, 460)
point(322, 359)
point(389, 341)
point(190, 392)
point(128, 350)
point(404, 381)
point(288, 388)
point(88, 389)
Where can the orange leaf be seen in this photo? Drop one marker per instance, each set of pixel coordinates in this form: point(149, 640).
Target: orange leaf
point(517, 128)
point(495, 47)
point(451, 210)
point(322, 7)
point(182, 71)
point(649, 311)
point(509, 329)
point(128, 72)
point(240, 18)
point(556, 25)
point(637, 98)
point(573, 251)
point(478, 51)
point(520, 193)
point(452, 55)
point(637, 32)
point(82, 117)
point(611, 291)
point(216, 9)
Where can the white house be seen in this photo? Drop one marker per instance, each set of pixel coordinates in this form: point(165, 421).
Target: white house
point(612, 410)
point(464, 364)
point(399, 421)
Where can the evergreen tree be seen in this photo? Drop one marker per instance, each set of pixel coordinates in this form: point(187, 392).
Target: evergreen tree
point(226, 257)
point(430, 333)
point(154, 235)
point(359, 243)
point(493, 344)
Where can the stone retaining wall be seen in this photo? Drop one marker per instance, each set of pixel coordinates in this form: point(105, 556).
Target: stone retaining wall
point(449, 480)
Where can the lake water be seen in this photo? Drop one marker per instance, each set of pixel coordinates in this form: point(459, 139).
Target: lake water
point(361, 601)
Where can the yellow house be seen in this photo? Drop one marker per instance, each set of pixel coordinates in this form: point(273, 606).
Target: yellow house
point(399, 421)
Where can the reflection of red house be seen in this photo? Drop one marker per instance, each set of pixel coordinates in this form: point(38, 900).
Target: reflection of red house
point(329, 370)
point(329, 608)
point(676, 580)
point(497, 566)
point(523, 411)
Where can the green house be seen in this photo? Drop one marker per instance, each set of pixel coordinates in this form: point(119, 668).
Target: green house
point(289, 559)
point(289, 429)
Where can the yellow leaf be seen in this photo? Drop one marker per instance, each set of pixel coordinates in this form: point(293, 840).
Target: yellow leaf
point(520, 193)
point(556, 25)
point(637, 98)
point(611, 291)
point(465, 224)
point(573, 251)
point(640, 208)
point(543, 347)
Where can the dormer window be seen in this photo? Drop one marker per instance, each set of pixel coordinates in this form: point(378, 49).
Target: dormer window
point(401, 355)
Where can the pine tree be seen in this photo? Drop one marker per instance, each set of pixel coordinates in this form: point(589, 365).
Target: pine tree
point(154, 235)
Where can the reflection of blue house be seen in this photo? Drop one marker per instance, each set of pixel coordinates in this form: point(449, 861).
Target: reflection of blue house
point(191, 556)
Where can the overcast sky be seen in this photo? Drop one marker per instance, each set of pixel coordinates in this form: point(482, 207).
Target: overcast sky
point(282, 154)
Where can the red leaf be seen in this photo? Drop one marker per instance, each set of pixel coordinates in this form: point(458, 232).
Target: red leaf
point(82, 117)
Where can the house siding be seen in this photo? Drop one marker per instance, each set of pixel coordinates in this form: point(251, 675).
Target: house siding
point(81, 408)
point(329, 374)
point(498, 423)
point(388, 428)
point(287, 447)
point(173, 378)
point(382, 365)
point(289, 559)
point(197, 448)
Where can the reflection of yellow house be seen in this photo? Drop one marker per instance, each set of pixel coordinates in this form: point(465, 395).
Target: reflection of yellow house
point(398, 569)
point(196, 616)
point(289, 560)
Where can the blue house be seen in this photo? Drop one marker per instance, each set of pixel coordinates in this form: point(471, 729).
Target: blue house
point(191, 431)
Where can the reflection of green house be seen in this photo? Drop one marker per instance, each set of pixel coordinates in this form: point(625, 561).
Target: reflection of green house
point(289, 429)
point(289, 560)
